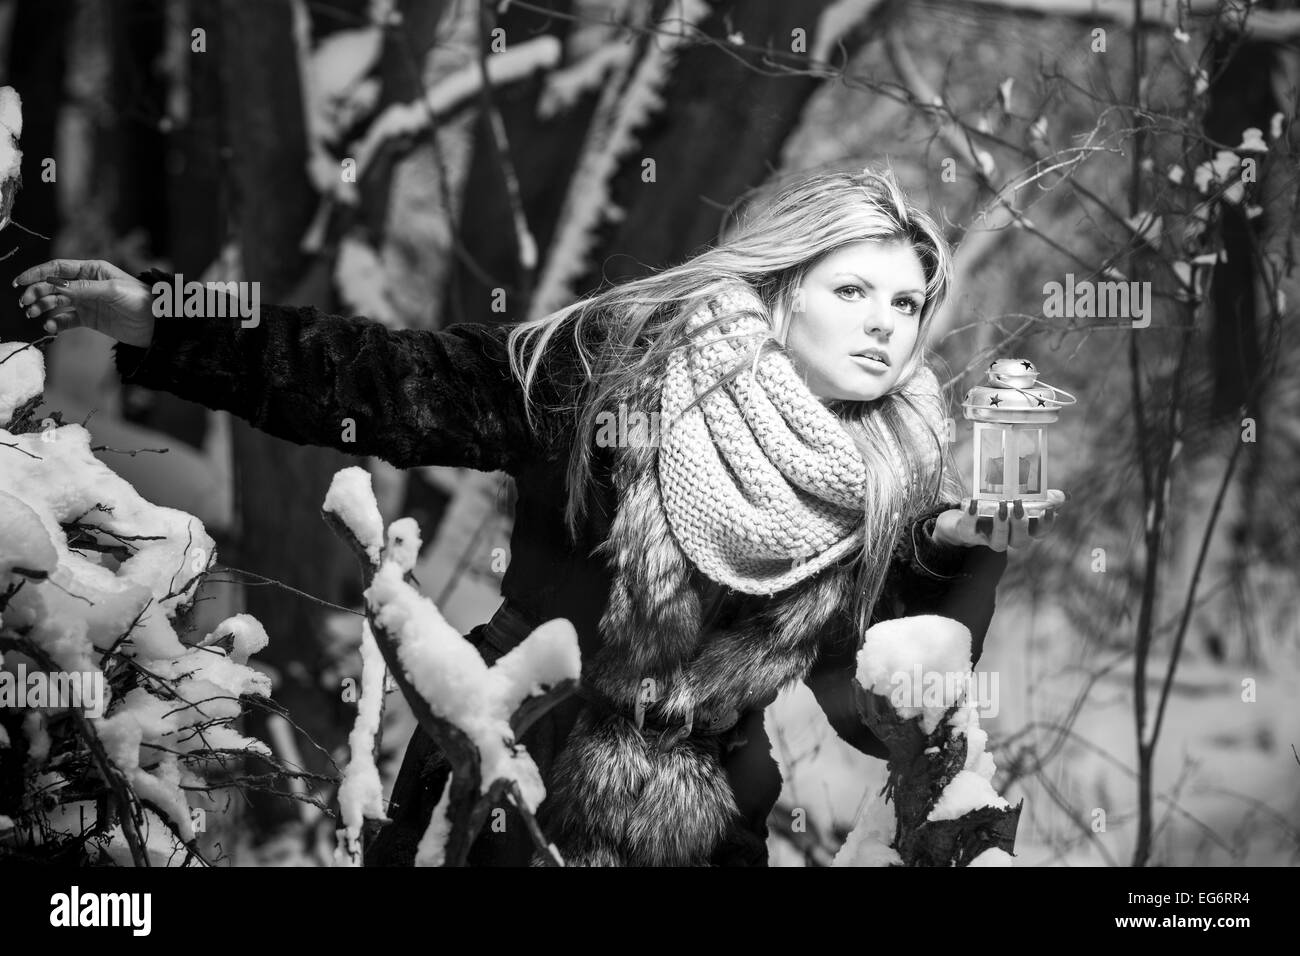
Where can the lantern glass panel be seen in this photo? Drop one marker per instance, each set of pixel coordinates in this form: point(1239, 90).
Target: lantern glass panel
point(1029, 445)
point(990, 442)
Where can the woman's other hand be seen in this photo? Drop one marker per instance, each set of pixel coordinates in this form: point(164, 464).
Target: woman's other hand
point(67, 293)
point(1010, 528)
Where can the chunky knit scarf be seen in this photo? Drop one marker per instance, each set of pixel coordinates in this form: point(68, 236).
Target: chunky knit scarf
point(759, 488)
point(762, 485)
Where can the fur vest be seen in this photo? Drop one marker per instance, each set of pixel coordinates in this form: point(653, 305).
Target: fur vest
point(640, 781)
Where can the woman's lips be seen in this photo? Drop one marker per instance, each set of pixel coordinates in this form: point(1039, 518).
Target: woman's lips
point(871, 364)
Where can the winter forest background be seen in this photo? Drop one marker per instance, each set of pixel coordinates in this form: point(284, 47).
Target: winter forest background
point(542, 148)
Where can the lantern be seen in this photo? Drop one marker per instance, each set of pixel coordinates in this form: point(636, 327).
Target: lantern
point(1010, 413)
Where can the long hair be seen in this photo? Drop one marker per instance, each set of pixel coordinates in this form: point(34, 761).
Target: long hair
point(638, 323)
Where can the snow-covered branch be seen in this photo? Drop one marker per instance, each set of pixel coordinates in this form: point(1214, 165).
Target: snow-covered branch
point(914, 690)
point(408, 119)
point(612, 137)
point(474, 713)
point(92, 578)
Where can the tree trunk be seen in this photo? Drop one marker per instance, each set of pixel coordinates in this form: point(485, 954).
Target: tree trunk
point(279, 486)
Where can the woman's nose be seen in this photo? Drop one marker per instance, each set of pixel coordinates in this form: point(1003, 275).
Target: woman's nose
point(879, 318)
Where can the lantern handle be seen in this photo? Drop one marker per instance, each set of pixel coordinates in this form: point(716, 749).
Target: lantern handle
point(1023, 391)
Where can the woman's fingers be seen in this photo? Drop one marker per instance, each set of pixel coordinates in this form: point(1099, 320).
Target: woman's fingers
point(61, 321)
point(46, 303)
point(1000, 539)
point(67, 269)
point(64, 268)
point(39, 290)
point(57, 309)
point(1011, 526)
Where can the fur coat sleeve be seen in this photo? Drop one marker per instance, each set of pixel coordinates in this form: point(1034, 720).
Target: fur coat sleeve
point(925, 577)
point(411, 397)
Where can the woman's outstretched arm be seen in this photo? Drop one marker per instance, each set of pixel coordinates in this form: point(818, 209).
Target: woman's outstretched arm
point(925, 577)
point(411, 397)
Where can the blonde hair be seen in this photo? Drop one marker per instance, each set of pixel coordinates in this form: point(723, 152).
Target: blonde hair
point(638, 323)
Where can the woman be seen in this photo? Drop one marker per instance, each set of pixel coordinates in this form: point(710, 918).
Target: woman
point(796, 489)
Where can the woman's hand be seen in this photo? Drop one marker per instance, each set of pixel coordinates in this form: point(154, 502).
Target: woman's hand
point(1009, 529)
point(91, 293)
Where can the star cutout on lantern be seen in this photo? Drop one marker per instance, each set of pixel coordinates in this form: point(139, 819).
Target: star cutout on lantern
point(1027, 365)
point(994, 400)
point(1041, 403)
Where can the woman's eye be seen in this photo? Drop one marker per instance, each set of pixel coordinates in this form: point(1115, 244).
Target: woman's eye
point(848, 288)
point(908, 306)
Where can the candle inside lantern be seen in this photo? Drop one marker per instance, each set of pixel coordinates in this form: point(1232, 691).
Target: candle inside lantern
point(1030, 459)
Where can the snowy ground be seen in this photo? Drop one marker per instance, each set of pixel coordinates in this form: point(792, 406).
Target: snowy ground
point(1228, 784)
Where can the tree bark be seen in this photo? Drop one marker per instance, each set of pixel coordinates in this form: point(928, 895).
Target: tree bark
point(278, 485)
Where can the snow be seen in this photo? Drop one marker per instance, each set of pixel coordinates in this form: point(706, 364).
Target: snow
point(246, 633)
point(548, 656)
point(208, 670)
point(349, 498)
point(433, 843)
point(563, 88)
point(122, 737)
point(403, 543)
point(85, 605)
point(22, 376)
point(965, 792)
point(588, 203)
point(835, 23)
point(1216, 170)
point(11, 111)
point(895, 653)
point(38, 738)
point(361, 793)
point(24, 543)
point(363, 283)
point(446, 670)
point(516, 62)
point(1252, 141)
point(55, 474)
point(340, 93)
point(868, 843)
point(11, 118)
point(993, 856)
point(449, 674)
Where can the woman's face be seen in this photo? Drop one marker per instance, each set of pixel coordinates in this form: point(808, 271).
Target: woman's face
point(865, 296)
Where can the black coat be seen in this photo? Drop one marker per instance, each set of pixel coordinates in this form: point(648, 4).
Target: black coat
point(448, 398)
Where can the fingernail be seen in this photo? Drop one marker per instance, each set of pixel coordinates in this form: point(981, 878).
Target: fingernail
point(974, 507)
point(984, 525)
point(1067, 495)
point(1002, 510)
point(1019, 511)
point(1033, 526)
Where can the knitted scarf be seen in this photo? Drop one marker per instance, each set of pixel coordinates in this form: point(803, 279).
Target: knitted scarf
point(758, 488)
point(761, 483)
